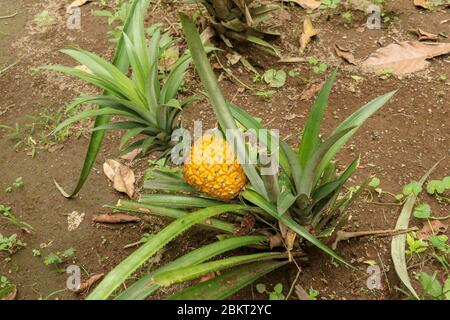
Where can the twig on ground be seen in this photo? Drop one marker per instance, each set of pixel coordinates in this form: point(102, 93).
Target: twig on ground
point(344, 235)
point(9, 16)
point(440, 218)
point(9, 67)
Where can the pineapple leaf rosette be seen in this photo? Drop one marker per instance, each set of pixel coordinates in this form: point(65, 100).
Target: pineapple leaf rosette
point(303, 201)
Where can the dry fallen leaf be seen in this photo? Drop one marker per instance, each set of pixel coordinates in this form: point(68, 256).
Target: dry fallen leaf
point(275, 241)
point(422, 4)
point(306, 4)
point(122, 177)
point(207, 34)
point(423, 35)
point(85, 286)
point(290, 239)
point(131, 155)
point(78, 3)
point(404, 57)
point(292, 60)
point(247, 224)
point(283, 229)
point(301, 293)
point(311, 91)
point(115, 218)
point(345, 54)
point(429, 228)
point(290, 117)
point(10, 296)
point(308, 33)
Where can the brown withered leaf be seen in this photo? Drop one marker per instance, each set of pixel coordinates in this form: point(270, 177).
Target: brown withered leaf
point(207, 34)
point(283, 229)
point(434, 226)
point(424, 4)
point(131, 155)
point(85, 286)
point(301, 293)
point(122, 176)
point(308, 33)
point(404, 57)
point(275, 241)
point(115, 218)
point(344, 53)
point(290, 239)
point(311, 91)
point(247, 225)
point(306, 4)
point(423, 35)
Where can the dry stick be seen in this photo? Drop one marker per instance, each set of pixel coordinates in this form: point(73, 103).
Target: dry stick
point(293, 284)
point(9, 67)
point(344, 235)
point(10, 16)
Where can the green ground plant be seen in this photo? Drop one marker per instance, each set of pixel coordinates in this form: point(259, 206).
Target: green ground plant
point(10, 244)
point(6, 213)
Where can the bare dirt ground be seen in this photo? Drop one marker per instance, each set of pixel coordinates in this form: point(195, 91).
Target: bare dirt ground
point(398, 144)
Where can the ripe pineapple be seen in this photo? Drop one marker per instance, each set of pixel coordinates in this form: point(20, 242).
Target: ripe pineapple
point(212, 168)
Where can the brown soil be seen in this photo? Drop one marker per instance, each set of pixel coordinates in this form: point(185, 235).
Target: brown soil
point(398, 144)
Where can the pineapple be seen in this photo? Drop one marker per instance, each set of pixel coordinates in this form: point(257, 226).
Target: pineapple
point(212, 168)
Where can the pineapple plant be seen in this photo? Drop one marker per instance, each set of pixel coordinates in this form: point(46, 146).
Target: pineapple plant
point(243, 21)
point(212, 167)
point(304, 197)
point(146, 101)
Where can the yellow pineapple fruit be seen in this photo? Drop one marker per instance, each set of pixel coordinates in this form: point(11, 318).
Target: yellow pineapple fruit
point(212, 168)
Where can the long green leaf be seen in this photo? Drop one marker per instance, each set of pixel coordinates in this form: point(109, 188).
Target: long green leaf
point(178, 201)
point(310, 138)
point(218, 102)
point(145, 286)
point(89, 114)
point(168, 278)
point(227, 284)
point(121, 272)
